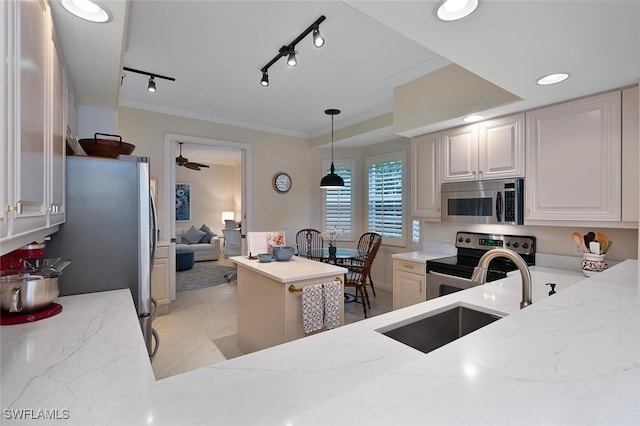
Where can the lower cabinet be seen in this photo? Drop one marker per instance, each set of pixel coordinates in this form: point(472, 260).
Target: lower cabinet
point(160, 280)
point(409, 286)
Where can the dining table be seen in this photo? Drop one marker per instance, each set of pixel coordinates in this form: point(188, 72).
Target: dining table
point(339, 256)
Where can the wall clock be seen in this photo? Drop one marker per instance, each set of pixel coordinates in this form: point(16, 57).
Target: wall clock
point(281, 182)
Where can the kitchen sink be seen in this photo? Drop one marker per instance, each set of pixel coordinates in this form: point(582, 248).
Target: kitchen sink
point(440, 327)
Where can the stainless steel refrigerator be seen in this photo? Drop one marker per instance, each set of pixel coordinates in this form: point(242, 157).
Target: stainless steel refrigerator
point(109, 233)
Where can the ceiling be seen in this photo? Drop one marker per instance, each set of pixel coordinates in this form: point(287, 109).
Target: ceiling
point(215, 50)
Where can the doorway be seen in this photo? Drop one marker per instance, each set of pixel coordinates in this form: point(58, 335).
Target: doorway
point(168, 226)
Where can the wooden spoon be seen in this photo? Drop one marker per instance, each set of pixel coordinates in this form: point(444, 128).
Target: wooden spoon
point(603, 237)
point(579, 240)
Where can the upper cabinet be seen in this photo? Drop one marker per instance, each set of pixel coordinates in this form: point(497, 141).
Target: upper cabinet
point(574, 161)
point(34, 120)
point(426, 176)
point(630, 153)
point(29, 204)
point(57, 132)
point(492, 149)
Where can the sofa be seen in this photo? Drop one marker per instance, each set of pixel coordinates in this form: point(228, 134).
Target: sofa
point(203, 241)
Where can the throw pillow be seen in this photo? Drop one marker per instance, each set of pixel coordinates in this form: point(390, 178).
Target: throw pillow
point(208, 234)
point(193, 235)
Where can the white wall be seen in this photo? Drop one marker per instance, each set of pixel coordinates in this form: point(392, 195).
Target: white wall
point(93, 120)
point(271, 153)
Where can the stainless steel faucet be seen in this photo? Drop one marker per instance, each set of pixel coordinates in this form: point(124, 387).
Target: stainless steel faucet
point(480, 272)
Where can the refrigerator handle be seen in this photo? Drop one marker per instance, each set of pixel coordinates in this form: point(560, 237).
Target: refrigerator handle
point(154, 221)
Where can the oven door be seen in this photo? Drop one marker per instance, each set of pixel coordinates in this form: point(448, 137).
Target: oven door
point(439, 284)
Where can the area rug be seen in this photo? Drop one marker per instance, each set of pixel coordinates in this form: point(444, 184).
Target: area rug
point(202, 275)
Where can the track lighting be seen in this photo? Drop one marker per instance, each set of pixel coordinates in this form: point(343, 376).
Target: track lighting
point(151, 86)
point(290, 50)
point(291, 60)
point(332, 180)
point(318, 40)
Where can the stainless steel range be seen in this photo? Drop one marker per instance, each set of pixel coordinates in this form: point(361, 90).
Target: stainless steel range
point(450, 274)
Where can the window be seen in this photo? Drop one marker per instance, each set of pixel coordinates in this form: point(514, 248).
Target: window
point(337, 204)
point(385, 198)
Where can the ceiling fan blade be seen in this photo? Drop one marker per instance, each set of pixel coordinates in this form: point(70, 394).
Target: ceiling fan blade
point(192, 166)
point(199, 164)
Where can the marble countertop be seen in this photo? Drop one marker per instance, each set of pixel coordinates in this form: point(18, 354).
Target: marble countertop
point(570, 358)
point(90, 360)
point(296, 269)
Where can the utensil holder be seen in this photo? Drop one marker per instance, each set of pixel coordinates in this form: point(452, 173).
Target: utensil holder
point(594, 262)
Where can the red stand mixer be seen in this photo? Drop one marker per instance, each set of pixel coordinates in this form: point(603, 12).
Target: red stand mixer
point(29, 285)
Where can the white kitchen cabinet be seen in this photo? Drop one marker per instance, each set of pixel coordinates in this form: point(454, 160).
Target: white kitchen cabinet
point(409, 283)
point(5, 118)
point(460, 154)
point(29, 202)
point(57, 130)
point(160, 280)
point(492, 149)
point(426, 176)
point(33, 92)
point(574, 161)
point(630, 153)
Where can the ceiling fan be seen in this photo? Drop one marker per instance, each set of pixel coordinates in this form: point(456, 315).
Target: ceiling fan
point(184, 162)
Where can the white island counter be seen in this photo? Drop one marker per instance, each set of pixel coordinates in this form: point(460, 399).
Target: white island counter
point(270, 299)
point(569, 359)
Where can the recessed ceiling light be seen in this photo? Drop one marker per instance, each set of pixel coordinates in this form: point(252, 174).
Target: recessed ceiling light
point(472, 118)
point(87, 9)
point(553, 78)
point(452, 10)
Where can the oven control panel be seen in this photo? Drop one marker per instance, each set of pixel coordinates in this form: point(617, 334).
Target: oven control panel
point(519, 243)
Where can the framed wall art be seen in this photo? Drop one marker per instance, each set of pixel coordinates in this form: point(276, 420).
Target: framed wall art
point(183, 202)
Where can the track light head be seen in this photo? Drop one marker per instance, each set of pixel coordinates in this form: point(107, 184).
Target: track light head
point(265, 79)
point(318, 40)
point(152, 85)
point(292, 61)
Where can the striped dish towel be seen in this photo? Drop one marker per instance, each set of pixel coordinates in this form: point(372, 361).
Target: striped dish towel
point(333, 296)
point(312, 308)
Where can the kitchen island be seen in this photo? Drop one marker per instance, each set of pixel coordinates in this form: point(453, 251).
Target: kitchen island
point(568, 359)
point(270, 299)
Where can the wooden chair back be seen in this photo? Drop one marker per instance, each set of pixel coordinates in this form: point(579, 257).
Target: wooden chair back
point(307, 240)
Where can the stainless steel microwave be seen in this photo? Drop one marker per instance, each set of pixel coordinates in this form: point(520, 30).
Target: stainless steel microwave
point(484, 201)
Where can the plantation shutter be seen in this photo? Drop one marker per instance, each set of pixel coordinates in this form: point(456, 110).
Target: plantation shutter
point(385, 198)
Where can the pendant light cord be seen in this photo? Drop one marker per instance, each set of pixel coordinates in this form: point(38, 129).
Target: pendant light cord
point(332, 142)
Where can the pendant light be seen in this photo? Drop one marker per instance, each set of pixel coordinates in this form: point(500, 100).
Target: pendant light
point(332, 180)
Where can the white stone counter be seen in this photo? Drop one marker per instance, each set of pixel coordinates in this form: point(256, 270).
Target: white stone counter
point(90, 360)
point(296, 269)
point(571, 358)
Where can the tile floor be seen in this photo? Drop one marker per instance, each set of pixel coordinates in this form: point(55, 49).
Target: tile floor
point(200, 328)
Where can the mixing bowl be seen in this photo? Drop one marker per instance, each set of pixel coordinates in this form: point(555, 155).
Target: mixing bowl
point(282, 253)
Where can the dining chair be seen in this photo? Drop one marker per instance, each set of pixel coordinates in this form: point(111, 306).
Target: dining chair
point(366, 242)
point(232, 242)
point(359, 271)
point(307, 240)
point(231, 224)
